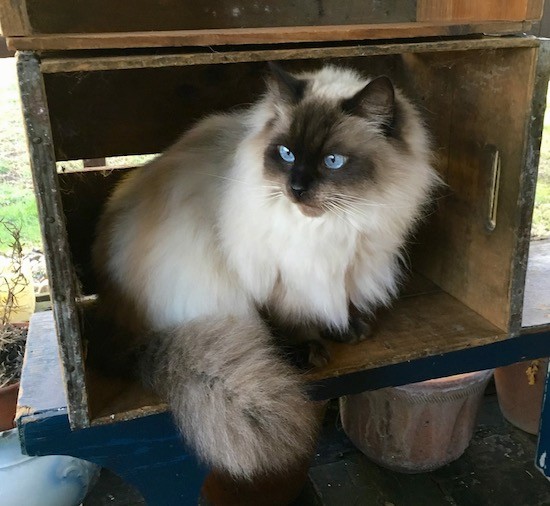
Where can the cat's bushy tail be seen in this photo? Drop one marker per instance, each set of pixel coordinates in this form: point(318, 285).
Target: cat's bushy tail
point(237, 403)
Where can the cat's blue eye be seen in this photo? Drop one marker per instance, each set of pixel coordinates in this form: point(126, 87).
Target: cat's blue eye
point(334, 161)
point(286, 154)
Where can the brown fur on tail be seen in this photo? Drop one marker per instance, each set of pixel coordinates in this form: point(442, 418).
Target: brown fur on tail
point(237, 403)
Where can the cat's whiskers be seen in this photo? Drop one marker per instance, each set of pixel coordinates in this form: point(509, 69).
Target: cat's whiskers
point(339, 212)
point(362, 201)
point(354, 204)
point(351, 209)
point(273, 196)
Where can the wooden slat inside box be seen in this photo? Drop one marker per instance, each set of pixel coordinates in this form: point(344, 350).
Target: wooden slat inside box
point(466, 96)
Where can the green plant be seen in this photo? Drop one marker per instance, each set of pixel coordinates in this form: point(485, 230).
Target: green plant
point(12, 338)
point(16, 282)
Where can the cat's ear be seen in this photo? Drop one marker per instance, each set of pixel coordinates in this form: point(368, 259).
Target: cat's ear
point(290, 88)
point(376, 100)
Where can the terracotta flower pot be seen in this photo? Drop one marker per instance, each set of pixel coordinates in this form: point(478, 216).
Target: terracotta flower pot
point(271, 490)
point(418, 427)
point(8, 403)
point(8, 394)
point(520, 388)
point(280, 489)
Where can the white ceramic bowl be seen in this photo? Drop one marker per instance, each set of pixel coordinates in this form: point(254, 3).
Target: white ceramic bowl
point(54, 480)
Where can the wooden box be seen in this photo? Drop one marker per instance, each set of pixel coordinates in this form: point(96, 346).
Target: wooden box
point(482, 99)
point(94, 24)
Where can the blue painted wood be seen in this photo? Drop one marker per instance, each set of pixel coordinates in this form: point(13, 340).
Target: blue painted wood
point(543, 450)
point(146, 452)
point(508, 351)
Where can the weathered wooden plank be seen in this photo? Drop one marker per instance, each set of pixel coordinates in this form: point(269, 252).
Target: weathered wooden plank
point(239, 36)
point(42, 387)
point(58, 259)
point(527, 346)
point(51, 65)
point(451, 359)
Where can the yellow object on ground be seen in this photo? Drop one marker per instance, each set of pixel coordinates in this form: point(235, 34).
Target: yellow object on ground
point(20, 286)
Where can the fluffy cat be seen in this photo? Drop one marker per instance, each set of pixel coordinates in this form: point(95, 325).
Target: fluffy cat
point(288, 215)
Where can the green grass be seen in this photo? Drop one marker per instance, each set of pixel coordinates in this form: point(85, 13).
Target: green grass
point(16, 194)
point(19, 208)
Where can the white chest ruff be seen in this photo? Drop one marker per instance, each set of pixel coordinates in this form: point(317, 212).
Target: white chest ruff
point(295, 265)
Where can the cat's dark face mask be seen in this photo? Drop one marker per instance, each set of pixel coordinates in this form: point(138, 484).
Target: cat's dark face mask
point(321, 152)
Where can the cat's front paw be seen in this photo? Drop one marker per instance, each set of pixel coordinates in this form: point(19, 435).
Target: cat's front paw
point(308, 354)
point(358, 330)
point(318, 355)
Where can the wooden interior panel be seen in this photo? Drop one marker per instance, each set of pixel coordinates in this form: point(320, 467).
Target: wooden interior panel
point(83, 195)
point(114, 399)
point(94, 114)
point(110, 113)
point(456, 251)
